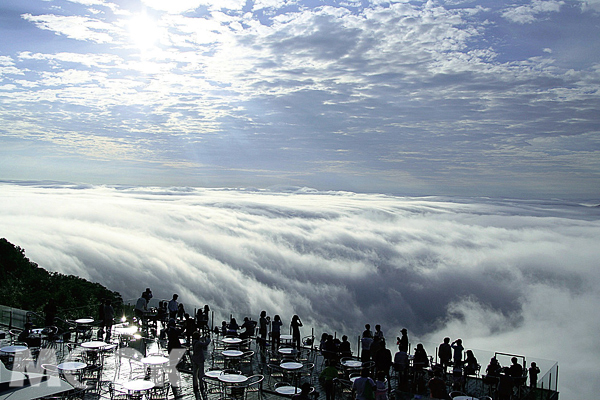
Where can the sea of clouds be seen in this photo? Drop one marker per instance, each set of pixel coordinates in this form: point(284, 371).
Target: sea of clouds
point(514, 276)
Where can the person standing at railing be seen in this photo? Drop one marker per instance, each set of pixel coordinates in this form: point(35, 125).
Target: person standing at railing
point(295, 325)
point(173, 307)
point(109, 316)
point(534, 371)
point(199, 347)
point(263, 324)
point(50, 312)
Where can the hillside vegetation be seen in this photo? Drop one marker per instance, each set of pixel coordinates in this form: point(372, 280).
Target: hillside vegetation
point(25, 285)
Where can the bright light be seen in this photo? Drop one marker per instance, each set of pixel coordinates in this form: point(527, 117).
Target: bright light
point(144, 31)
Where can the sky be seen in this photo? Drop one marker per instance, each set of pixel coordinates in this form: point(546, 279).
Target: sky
point(513, 276)
point(469, 98)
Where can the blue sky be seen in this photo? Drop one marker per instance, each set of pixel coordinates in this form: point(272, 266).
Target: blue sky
point(475, 98)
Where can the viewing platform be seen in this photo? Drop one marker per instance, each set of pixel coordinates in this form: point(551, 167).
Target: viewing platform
point(72, 362)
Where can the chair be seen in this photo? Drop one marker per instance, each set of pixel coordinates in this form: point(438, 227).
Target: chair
point(117, 393)
point(159, 392)
point(234, 391)
point(51, 369)
point(246, 360)
point(133, 356)
point(212, 387)
point(276, 374)
point(343, 388)
point(306, 373)
point(254, 385)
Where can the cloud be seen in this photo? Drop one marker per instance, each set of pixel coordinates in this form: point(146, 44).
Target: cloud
point(500, 274)
point(74, 27)
point(528, 13)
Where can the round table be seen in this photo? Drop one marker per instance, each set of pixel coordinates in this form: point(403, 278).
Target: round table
point(352, 363)
point(84, 321)
point(13, 349)
point(138, 385)
point(232, 353)
point(213, 373)
point(232, 378)
point(155, 360)
point(465, 398)
point(71, 366)
point(291, 366)
point(228, 340)
point(288, 351)
point(94, 345)
point(287, 390)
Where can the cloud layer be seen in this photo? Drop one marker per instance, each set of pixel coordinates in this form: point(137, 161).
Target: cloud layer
point(511, 276)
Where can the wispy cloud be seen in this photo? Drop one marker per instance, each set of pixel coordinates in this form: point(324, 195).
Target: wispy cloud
point(499, 274)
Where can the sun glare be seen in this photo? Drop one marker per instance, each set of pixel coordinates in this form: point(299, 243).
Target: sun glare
point(144, 31)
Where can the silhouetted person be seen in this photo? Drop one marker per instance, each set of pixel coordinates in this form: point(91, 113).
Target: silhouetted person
point(363, 386)
point(295, 325)
point(403, 341)
point(109, 317)
point(263, 327)
point(365, 345)
point(383, 359)
point(378, 332)
point(173, 306)
point(345, 348)
point(534, 370)
point(276, 325)
point(437, 386)
point(147, 295)
point(173, 336)
point(199, 347)
point(505, 386)
point(493, 368)
point(328, 374)
point(420, 359)
point(458, 352)
point(50, 312)
point(248, 326)
point(445, 354)
point(516, 369)
point(470, 363)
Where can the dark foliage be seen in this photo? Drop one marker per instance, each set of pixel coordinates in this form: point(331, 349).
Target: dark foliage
point(26, 286)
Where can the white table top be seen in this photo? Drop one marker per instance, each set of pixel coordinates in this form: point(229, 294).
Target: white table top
point(231, 340)
point(155, 360)
point(287, 390)
point(71, 366)
point(94, 344)
point(138, 385)
point(13, 349)
point(214, 373)
point(232, 378)
point(465, 398)
point(352, 363)
point(291, 365)
point(125, 330)
point(232, 353)
point(285, 337)
point(84, 321)
point(287, 350)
